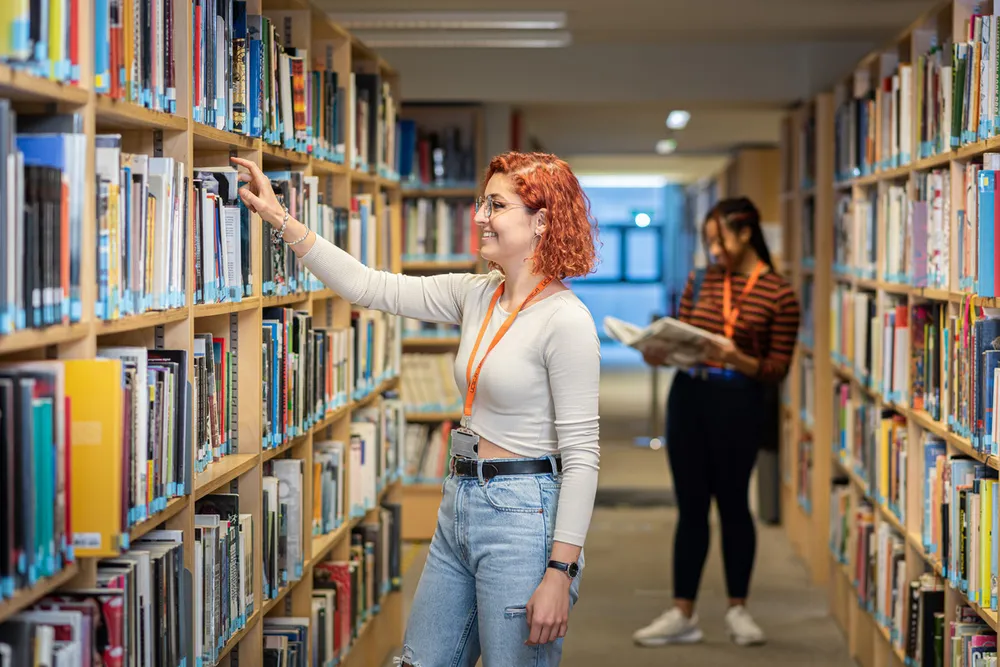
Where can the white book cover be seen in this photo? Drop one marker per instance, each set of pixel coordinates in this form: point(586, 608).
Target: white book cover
point(684, 341)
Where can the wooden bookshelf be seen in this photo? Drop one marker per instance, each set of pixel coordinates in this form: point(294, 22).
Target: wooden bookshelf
point(180, 136)
point(914, 194)
point(459, 130)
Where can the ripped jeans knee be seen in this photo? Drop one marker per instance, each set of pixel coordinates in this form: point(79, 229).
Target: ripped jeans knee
point(406, 659)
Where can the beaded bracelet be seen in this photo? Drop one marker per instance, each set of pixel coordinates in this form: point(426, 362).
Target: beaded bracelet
point(304, 237)
point(277, 234)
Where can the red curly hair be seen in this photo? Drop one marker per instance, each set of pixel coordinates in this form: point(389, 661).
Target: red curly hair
point(567, 248)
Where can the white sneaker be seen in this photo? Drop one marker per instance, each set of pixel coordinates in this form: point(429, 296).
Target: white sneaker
point(741, 627)
point(670, 627)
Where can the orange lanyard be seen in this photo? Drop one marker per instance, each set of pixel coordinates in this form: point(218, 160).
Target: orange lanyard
point(473, 380)
point(730, 314)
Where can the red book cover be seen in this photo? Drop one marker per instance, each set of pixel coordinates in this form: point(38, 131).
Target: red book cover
point(74, 40)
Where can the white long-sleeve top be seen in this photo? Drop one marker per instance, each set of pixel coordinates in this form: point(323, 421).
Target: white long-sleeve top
point(538, 389)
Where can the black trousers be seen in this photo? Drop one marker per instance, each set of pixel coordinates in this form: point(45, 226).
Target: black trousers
point(715, 428)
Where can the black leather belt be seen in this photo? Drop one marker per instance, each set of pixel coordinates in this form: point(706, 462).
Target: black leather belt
point(464, 467)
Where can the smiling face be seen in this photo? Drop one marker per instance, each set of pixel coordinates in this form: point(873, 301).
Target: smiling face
point(509, 233)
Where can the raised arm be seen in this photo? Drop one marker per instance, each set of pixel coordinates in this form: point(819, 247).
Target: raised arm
point(437, 298)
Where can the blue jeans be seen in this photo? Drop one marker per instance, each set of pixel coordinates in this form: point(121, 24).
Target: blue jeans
point(488, 554)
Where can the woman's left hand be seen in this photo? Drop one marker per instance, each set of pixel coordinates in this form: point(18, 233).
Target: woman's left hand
point(548, 608)
point(724, 353)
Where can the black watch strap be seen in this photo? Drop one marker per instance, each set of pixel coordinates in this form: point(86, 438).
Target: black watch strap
point(571, 569)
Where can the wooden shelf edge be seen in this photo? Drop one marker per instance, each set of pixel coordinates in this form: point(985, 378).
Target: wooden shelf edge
point(143, 321)
point(121, 113)
point(223, 472)
point(269, 605)
point(25, 598)
point(174, 507)
point(240, 634)
point(27, 339)
point(20, 84)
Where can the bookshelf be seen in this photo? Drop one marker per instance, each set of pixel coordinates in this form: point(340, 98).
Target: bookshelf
point(266, 432)
point(439, 186)
point(889, 455)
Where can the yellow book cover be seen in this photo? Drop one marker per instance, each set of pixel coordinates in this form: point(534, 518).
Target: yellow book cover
point(15, 29)
point(56, 44)
point(94, 388)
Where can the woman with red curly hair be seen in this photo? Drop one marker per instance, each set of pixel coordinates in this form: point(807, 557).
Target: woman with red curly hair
point(504, 564)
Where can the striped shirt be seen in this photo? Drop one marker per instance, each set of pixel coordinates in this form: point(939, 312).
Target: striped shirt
point(768, 321)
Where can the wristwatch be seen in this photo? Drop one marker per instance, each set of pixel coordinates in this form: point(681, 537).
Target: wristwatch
point(571, 569)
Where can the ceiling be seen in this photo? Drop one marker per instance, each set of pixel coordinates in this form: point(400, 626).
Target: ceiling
point(733, 63)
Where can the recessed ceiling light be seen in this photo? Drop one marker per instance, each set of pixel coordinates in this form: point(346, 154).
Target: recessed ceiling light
point(642, 219)
point(666, 146)
point(677, 120)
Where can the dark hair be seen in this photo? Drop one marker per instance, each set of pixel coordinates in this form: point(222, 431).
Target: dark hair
point(739, 213)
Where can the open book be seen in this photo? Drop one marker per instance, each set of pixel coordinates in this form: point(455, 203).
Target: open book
point(683, 340)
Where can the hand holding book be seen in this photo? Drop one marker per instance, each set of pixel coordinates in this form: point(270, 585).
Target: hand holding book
point(669, 342)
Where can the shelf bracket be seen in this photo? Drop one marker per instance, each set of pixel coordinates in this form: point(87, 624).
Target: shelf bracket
point(157, 143)
point(234, 406)
point(158, 337)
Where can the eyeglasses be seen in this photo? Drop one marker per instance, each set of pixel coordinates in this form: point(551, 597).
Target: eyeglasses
point(493, 205)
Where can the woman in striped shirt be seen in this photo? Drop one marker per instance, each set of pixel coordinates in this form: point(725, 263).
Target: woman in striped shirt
point(717, 416)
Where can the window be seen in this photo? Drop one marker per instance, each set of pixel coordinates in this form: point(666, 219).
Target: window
point(639, 267)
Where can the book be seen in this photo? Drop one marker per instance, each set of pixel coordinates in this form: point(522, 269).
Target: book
point(684, 342)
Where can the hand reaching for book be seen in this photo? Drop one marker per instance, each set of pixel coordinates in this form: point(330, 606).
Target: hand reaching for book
point(257, 193)
point(259, 197)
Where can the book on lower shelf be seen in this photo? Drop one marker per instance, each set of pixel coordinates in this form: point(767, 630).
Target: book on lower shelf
point(224, 562)
point(138, 613)
point(908, 609)
point(347, 593)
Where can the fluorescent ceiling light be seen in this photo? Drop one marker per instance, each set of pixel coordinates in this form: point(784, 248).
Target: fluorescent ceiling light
point(481, 39)
point(450, 20)
point(623, 181)
point(666, 146)
point(677, 120)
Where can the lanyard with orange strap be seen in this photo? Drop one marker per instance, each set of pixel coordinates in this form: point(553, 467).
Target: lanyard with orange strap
point(729, 314)
point(465, 442)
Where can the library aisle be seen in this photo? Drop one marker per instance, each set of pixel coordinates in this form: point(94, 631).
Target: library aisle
point(627, 577)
